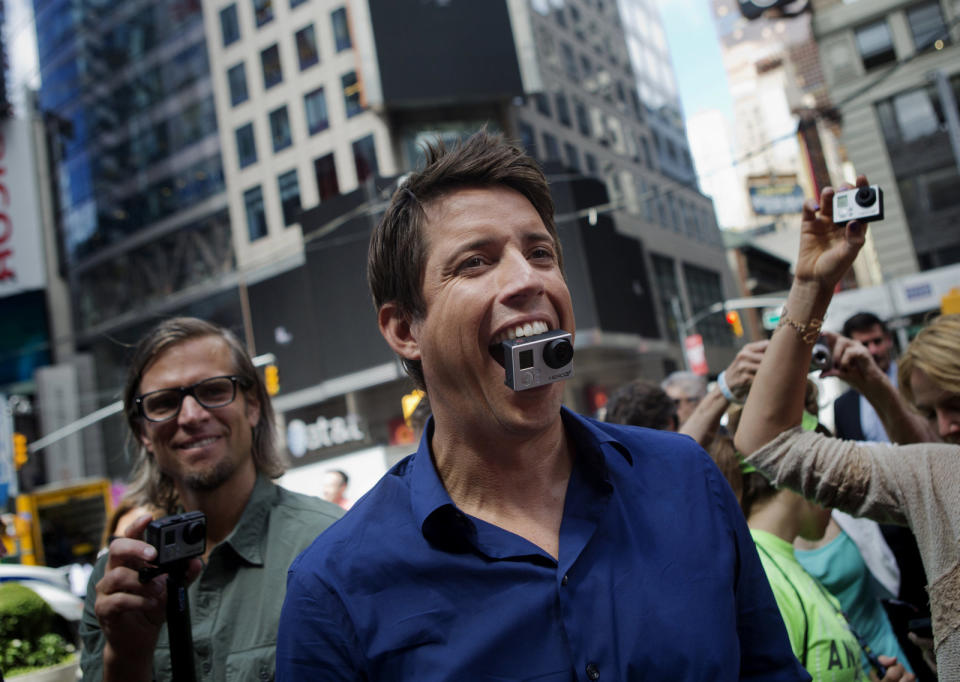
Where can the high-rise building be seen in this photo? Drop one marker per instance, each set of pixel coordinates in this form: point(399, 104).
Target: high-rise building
point(226, 159)
point(893, 70)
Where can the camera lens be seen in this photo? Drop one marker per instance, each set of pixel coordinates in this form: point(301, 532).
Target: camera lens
point(194, 532)
point(557, 353)
point(866, 196)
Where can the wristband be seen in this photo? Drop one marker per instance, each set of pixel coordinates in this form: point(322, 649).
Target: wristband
point(725, 389)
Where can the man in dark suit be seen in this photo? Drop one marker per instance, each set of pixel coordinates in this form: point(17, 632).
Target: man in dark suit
point(854, 417)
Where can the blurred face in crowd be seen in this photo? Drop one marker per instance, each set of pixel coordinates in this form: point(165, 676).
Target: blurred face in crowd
point(200, 447)
point(492, 272)
point(940, 406)
point(685, 404)
point(333, 487)
point(878, 342)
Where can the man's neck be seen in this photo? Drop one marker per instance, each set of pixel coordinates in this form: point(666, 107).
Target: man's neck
point(518, 483)
point(223, 506)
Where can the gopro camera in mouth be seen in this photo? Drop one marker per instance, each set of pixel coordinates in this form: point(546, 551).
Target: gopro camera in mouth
point(532, 361)
point(860, 203)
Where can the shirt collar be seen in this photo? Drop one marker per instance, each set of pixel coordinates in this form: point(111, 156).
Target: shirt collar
point(442, 523)
point(249, 535)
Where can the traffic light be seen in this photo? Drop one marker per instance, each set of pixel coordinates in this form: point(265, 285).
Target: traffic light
point(733, 319)
point(271, 377)
point(19, 450)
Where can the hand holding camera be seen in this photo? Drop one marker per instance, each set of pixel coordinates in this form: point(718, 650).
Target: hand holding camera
point(852, 363)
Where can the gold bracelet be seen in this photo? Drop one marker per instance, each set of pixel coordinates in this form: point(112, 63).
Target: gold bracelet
point(809, 332)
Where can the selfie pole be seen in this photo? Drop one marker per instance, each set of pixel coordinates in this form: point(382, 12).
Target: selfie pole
point(178, 624)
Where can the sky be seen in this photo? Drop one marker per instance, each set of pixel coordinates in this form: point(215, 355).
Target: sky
point(695, 51)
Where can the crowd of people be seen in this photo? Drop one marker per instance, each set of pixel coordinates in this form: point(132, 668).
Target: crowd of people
point(522, 540)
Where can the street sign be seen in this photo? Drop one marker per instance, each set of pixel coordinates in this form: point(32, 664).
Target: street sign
point(696, 355)
point(771, 317)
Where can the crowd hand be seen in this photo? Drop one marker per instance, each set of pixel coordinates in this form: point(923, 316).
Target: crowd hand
point(895, 671)
point(826, 250)
point(925, 644)
point(131, 613)
point(853, 364)
point(739, 375)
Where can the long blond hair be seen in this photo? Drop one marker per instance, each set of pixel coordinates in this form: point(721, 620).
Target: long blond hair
point(933, 352)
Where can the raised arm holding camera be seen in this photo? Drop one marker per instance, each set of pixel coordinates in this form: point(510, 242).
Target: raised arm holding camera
point(203, 424)
point(916, 485)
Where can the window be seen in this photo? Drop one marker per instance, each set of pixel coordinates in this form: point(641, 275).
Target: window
point(927, 26)
point(256, 217)
point(237, 80)
point(280, 129)
point(586, 66)
point(326, 172)
point(289, 196)
point(665, 278)
point(704, 289)
point(246, 145)
point(341, 30)
point(307, 50)
point(551, 147)
point(875, 44)
point(527, 138)
point(573, 156)
point(365, 158)
point(263, 11)
point(591, 163)
point(542, 103)
point(270, 60)
point(560, 17)
point(911, 115)
point(563, 109)
point(229, 25)
point(569, 61)
point(315, 104)
point(294, 3)
point(351, 93)
point(583, 119)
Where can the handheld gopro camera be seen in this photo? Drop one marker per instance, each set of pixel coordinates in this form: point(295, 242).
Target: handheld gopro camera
point(533, 361)
point(181, 536)
point(822, 358)
point(861, 203)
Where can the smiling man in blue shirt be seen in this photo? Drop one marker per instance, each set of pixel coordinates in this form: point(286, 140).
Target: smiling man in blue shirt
point(521, 541)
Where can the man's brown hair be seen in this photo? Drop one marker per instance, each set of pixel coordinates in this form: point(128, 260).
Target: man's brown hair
point(398, 252)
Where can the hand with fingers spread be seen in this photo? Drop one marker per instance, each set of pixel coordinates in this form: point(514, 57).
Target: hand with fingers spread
point(827, 250)
point(131, 613)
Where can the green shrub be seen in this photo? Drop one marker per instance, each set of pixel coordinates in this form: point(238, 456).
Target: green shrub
point(23, 613)
point(26, 640)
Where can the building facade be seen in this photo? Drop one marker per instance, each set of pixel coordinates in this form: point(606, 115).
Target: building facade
point(228, 159)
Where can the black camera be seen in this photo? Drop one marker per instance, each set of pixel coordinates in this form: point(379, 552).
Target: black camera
point(181, 536)
point(822, 357)
point(532, 361)
point(861, 203)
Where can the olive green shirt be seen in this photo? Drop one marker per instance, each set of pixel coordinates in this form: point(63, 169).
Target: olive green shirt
point(235, 603)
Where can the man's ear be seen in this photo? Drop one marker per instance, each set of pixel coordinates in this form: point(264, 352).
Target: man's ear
point(397, 330)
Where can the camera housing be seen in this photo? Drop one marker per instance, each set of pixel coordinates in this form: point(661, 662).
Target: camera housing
point(860, 203)
point(822, 357)
point(181, 536)
point(532, 361)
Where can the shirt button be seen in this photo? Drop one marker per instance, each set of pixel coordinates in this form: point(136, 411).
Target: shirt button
point(592, 671)
point(565, 580)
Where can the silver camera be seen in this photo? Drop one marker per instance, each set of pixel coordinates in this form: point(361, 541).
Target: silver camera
point(181, 536)
point(533, 361)
point(822, 358)
point(860, 203)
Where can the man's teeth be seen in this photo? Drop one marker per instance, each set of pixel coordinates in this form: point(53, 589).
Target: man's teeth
point(199, 443)
point(528, 329)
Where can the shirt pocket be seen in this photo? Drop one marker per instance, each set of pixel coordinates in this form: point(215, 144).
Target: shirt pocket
point(252, 665)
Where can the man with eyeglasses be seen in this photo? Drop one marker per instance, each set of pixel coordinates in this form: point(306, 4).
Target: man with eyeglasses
point(203, 425)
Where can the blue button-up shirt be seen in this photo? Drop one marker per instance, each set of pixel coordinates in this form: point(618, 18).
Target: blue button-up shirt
point(657, 579)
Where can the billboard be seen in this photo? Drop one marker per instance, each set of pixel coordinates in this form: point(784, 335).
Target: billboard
point(21, 239)
point(776, 199)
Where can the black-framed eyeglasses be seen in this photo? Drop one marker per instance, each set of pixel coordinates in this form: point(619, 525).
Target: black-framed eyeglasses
point(164, 404)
